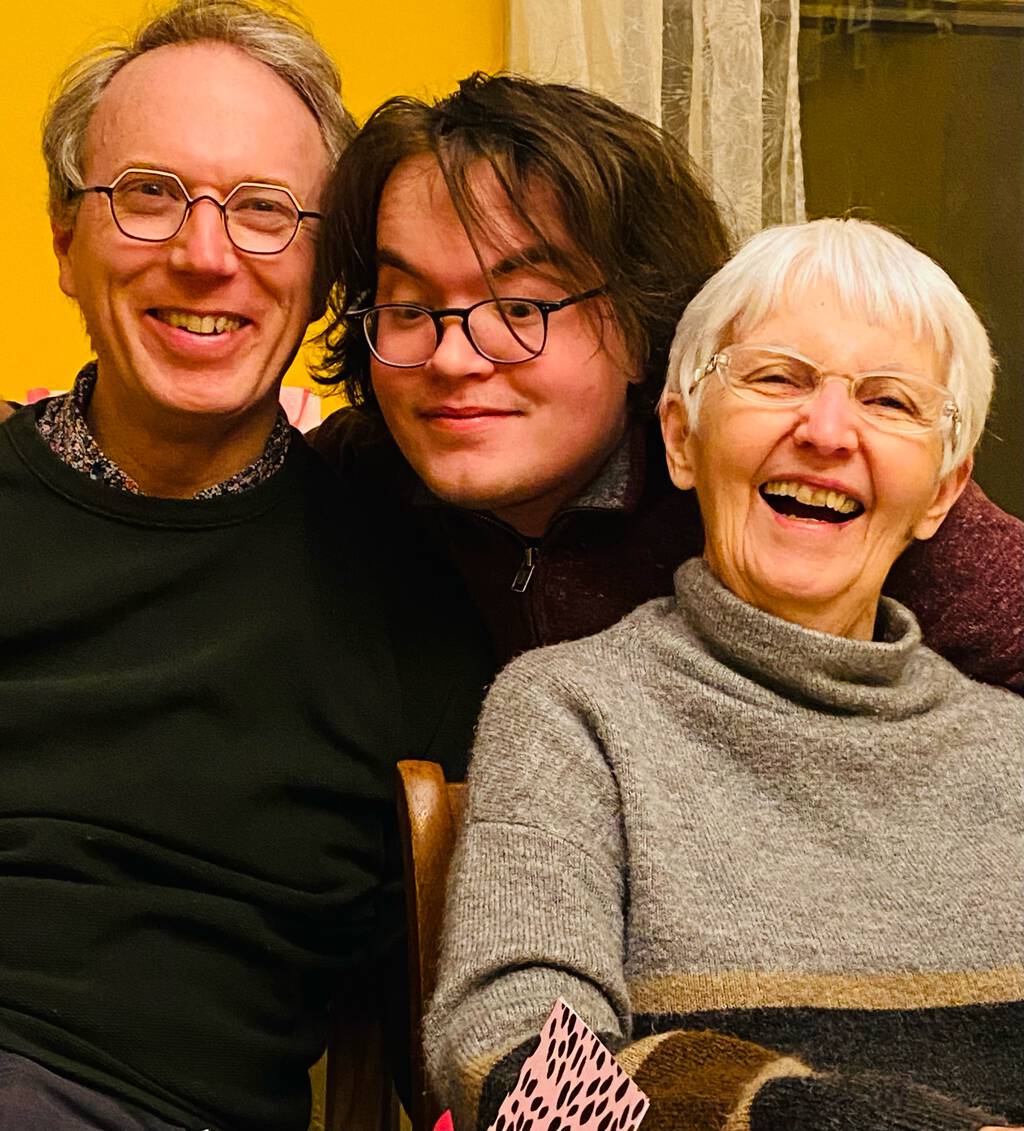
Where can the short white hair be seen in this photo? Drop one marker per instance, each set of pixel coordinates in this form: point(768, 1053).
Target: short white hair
point(874, 272)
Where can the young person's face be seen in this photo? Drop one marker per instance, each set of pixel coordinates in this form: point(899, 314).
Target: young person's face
point(518, 440)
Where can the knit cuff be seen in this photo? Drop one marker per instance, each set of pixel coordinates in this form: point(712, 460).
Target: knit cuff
point(864, 1102)
point(501, 1080)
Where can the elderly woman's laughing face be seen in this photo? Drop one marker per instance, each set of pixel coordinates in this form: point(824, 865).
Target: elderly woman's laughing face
point(810, 487)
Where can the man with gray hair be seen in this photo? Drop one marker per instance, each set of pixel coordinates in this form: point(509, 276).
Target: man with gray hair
point(200, 695)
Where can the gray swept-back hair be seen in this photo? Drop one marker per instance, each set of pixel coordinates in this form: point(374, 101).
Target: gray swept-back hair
point(272, 33)
point(874, 272)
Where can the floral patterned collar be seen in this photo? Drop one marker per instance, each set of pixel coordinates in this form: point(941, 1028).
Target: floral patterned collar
point(63, 426)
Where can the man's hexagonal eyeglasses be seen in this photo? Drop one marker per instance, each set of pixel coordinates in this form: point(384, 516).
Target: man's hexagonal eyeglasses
point(152, 205)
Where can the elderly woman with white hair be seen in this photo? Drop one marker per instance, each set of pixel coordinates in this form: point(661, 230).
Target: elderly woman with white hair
point(766, 843)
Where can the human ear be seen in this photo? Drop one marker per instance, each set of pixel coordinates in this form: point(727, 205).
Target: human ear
point(62, 238)
point(946, 494)
point(678, 441)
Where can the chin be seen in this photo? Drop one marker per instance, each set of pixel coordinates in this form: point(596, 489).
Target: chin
point(810, 587)
point(471, 498)
point(210, 401)
point(461, 487)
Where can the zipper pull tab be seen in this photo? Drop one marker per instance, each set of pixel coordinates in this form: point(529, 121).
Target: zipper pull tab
point(525, 571)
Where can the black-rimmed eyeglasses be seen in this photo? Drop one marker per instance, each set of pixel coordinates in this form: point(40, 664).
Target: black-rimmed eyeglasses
point(502, 330)
point(153, 205)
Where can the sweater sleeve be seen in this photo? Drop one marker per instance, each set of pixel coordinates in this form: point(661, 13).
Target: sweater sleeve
point(965, 585)
point(535, 894)
point(536, 911)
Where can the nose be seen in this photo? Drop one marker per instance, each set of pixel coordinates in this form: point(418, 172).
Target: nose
point(202, 246)
point(829, 420)
point(455, 356)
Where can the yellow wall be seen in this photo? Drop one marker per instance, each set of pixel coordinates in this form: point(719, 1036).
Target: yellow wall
point(419, 47)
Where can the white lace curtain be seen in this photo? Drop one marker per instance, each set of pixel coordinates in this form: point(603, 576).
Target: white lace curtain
point(719, 74)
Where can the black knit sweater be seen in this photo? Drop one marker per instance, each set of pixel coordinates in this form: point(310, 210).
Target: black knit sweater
point(200, 710)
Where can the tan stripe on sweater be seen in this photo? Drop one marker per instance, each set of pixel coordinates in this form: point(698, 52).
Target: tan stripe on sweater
point(745, 989)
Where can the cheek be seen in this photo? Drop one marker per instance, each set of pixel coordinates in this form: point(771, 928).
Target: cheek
point(291, 290)
point(585, 389)
point(584, 421)
point(385, 388)
point(727, 452)
point(906, 482)
point(727, 455)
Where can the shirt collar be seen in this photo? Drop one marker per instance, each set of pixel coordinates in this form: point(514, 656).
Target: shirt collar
point(62, 424)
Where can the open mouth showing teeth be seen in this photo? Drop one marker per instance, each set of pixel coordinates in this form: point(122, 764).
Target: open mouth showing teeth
point(797, 500)
point(199, 323)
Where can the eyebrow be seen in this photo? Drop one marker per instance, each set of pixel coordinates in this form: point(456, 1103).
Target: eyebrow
point(533, 256)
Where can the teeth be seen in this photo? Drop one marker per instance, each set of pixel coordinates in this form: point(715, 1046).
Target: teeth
point(812, 496)
point(199, 323)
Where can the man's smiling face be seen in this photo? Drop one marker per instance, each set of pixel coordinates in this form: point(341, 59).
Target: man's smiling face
point(191, 326)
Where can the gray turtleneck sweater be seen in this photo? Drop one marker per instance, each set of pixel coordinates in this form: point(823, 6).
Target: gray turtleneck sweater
point(780, 871)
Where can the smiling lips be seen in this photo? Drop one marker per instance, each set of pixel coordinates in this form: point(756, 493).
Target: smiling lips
point(466, 413)
point(794, 499)
point(196, 323)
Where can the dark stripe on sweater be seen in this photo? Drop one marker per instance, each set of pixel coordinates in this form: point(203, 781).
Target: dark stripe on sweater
point(974, 1052)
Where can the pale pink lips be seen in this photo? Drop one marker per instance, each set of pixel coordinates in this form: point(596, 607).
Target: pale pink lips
point(467, 412)
point(468, 418)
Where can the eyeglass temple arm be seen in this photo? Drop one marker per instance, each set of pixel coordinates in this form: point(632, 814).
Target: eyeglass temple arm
point(704, 370)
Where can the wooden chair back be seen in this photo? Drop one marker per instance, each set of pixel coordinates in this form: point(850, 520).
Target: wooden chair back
point(358, 1093)
point(429, 815)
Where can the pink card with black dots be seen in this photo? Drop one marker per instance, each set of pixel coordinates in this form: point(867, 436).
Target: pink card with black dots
point(571, 1083)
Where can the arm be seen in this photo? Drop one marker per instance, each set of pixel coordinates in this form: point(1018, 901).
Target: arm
point(966, 587)
point(535, 893)
point(536, 911)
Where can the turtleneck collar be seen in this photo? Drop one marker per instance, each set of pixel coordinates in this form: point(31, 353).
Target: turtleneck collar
point(834, 673)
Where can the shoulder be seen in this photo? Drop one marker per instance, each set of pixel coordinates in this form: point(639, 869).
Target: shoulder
point(966, 588)
point(359, 447)
point(977, 719)
point(592, 670)
point(349, 437)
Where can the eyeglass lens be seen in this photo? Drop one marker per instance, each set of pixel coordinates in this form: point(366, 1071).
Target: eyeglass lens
point(891, 400)
point(506, 331)
point(152, 206)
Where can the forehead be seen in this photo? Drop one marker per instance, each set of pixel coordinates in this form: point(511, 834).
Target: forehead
point(210, 113)
point(417, 216)
point(839, 331)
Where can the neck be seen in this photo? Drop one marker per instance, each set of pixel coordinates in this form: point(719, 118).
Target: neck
point(176, 455)
point(833, 618)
